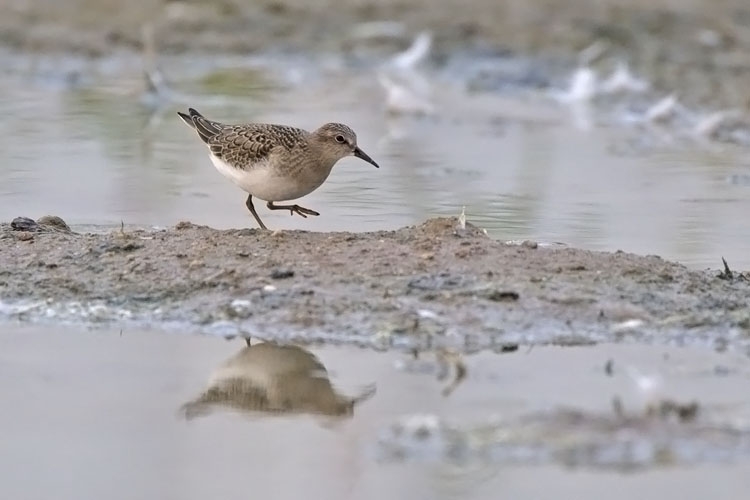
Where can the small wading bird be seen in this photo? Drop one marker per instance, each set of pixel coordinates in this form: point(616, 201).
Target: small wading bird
point(275, 162)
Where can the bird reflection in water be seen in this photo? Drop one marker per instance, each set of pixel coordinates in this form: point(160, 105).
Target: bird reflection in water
point(274, 379)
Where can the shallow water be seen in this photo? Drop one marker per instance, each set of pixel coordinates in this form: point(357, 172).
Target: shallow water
point(98, 414)
point(96, 153)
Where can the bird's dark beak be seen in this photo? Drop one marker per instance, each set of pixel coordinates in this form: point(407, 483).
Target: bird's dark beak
point(361, 154)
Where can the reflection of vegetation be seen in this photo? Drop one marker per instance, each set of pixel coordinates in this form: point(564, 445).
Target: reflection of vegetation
point(135, 170)
point(117, 122)
point(237, 82)
point(126, 120)
point(275, 379)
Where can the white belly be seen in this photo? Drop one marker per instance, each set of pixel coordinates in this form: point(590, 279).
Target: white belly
point(262, 182)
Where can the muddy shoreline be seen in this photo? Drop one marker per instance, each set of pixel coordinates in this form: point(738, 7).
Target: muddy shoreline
point(699, 50)
point(423, 286)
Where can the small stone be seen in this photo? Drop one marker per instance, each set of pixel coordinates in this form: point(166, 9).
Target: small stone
point(530, 244)
point(503, 296)
point(55, 222)
point(240, 308)
point(24, 236)
point(118, 247)
point(24, 224)
point(280, 274)
point(505, 348)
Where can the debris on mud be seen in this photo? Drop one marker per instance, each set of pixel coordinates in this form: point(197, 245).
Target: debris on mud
point(573, 438)
point(727, 273)
point(668, 408)
point(448, 359)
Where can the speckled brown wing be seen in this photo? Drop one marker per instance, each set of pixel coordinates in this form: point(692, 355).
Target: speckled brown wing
point(242, 146)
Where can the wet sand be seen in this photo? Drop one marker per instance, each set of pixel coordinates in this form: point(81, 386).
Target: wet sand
point(98, 413)
point(435, 284)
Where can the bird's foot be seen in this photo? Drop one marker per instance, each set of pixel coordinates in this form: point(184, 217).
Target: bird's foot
point(302, 211)
point(293, 209)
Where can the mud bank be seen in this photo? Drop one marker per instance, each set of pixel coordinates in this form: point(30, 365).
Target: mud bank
point(435, 284)
point(699, 49)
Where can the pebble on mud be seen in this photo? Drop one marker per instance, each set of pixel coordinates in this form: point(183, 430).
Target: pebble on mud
point(24, 236)
point(502, 295)
point(240, 308)
point(280, 274)
point(47, 223)
point(54, 222)
point(23, 224)
point(506, 348)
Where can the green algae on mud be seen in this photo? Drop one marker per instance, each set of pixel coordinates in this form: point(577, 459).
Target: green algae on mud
point(435, 284)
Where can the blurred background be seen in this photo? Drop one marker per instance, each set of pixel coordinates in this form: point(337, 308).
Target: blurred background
point(604, 124)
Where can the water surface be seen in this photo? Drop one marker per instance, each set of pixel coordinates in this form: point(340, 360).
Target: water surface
point(93, 414)
point(97, 153)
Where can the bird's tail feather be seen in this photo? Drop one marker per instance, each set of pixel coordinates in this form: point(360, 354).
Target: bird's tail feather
point(206, 128)
point(186, 118)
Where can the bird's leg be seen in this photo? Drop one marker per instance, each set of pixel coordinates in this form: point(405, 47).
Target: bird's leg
point(249, 205)
point(294, 209)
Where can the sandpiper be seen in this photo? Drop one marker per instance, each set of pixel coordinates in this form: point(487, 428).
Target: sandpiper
point(275, 162)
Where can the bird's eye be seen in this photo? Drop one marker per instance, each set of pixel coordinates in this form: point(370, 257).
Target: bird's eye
point(340, 139)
